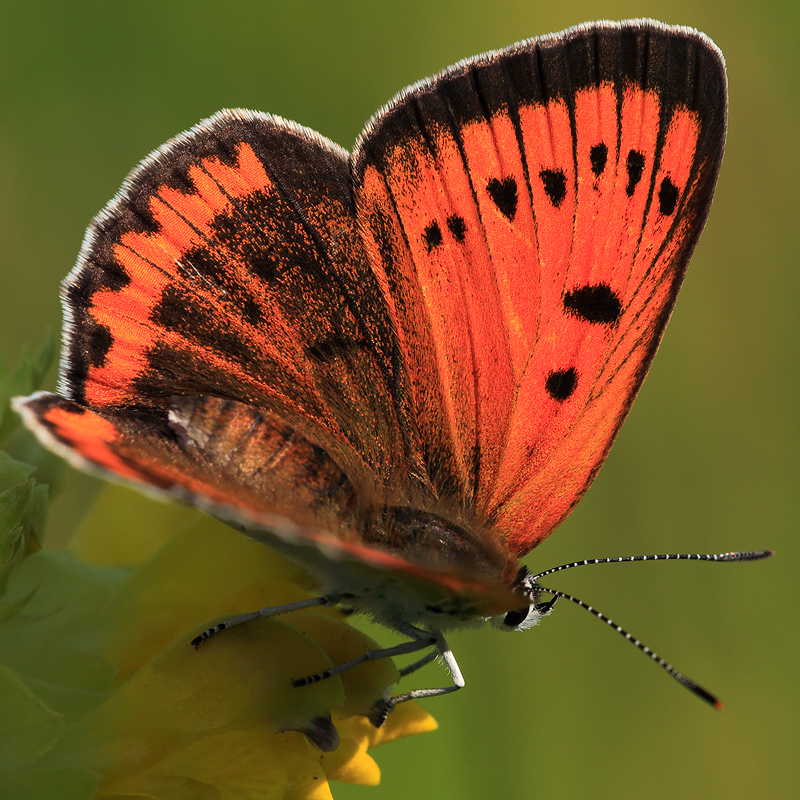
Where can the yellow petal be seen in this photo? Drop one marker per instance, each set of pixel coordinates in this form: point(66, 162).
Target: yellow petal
point(237, 765)
point(407, 719)
point(351, 763)
point(124, 527)
point(239, 680)
point(206, 571)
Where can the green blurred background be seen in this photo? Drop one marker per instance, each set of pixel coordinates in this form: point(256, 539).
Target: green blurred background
point(708, 460)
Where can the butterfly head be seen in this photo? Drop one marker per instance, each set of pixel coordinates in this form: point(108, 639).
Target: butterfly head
point(526, 616)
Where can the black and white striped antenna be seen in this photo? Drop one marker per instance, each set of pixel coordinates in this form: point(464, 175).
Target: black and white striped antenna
point(704, 694)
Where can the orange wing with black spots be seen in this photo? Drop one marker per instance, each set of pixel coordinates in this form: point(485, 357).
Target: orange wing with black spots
point(416, 356)
point(530, 214)
point(229, 265)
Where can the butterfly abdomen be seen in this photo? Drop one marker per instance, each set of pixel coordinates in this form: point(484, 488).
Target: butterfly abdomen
point(436, 542)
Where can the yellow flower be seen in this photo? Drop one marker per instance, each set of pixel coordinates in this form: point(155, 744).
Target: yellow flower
point(222, 721)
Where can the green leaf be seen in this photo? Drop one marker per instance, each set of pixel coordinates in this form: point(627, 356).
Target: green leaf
point(13, 507)
point(28, 727)
point(65, 784)
point(13, 472)
point(26, 378)
point(35, 520)
point(10, 555)
point(50, 641)
point(23, 514)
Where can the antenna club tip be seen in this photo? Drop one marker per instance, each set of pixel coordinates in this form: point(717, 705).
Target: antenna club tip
point(718, 705)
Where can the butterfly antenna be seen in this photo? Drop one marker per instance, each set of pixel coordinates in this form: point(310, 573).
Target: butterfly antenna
point(748, 555)
point(693, 687)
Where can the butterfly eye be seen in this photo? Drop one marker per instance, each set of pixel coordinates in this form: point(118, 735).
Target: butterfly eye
point(515, 618)
point(520, 619)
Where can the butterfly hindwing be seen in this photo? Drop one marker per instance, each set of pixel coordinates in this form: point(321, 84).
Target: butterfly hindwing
point(531, 213)
point(249, 469)
point(206, 451)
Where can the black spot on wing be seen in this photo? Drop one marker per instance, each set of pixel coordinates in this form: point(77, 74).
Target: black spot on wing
point(596, 303)
point(635, 166)
point(433, 236)
point(249, 238)
point(98, 343)
point(174, 310)
point(252, 312)
point(215, 271)
point(504, 194)
point(560, 384)
point(667, 197)
point(262, 264)
point(457, 227)
point(598, 156)
point(555, 185)
point(201, 261)
point(100, 274)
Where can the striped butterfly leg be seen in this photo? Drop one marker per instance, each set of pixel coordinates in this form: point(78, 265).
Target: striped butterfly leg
point(267, 611)
point(381, 710)
point(419, 640)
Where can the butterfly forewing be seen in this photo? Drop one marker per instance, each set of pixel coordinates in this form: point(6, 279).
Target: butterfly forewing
point(229, 265)
point(530, 214)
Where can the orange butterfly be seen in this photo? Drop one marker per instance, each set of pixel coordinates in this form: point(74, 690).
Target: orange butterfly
point(401, 367)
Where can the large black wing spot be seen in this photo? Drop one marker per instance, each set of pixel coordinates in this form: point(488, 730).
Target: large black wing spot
point(560, 384)
point(598, 156)
point(597, 304)
point(504, 194)
point(433, 236)
point(98, 342)
point(555, 185)
point(635, 166)
point(667, 197)
point(457, 227)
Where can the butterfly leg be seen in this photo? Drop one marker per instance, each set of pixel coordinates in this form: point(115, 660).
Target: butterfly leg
point(381, 710)
point(268, 611)
point(419, 664)
point(420, 642)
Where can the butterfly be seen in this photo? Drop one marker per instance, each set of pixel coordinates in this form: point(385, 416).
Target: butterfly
point(404, 366)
